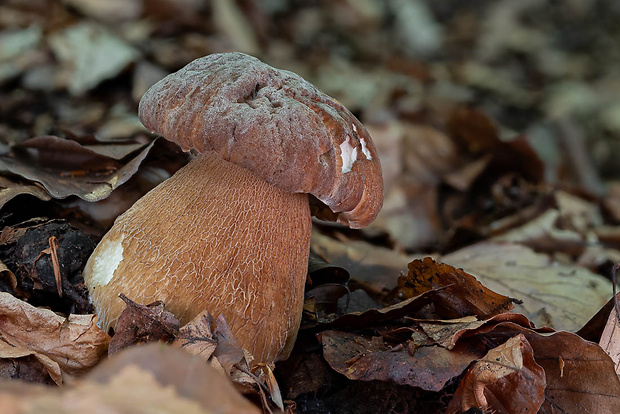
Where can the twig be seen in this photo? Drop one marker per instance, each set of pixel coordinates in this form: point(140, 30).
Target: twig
point(53, 241)
point(613, 281)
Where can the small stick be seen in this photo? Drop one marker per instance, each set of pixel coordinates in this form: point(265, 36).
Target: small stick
point(613, 281)
point(53, 251)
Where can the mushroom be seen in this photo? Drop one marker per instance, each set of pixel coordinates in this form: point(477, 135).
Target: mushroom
point(230, 231)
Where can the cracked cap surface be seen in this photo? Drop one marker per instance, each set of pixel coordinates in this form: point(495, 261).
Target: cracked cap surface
point(275, 124)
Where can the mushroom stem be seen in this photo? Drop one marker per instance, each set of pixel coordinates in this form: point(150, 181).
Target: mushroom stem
point(216, 237)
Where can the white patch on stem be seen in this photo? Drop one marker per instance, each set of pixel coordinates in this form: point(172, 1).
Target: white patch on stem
point(348, 155)
point(109, 255)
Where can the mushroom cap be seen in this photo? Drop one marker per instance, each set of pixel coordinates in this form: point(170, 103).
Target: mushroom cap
point(275, 124)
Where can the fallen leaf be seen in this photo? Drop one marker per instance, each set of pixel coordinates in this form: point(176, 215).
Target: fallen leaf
point(373, 266)
point(327, 288)
point(146, 379)
point(610, 338)
point(461, 294)
point(428, 367)
point(543, 235)
point(561, 296)
point(446, 333)
point(26, 365)
point(197, 337)
point(12, 187)
point(75, 343)
point(64, 167)
point(506, 380)
point(112, 12)
point(379, 315)
point(580, 376)
point(142, 323)
point(477, 133)
point(577, 213)
point(239, 366)
point(90, 54)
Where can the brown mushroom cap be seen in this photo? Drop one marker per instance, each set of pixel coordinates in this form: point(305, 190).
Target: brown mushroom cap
point(273, 123)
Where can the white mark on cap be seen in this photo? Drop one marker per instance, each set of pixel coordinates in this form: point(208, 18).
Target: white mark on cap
point(348, 154)
point(109, 256)
point(365, 149)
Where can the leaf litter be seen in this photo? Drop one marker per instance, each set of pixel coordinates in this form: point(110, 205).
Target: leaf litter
point(497, 140)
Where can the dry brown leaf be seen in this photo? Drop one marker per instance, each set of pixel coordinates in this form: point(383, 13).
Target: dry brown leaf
point(10, 352)
point(197, 336)
point(543, 234)
point(577, 213)
point(428, 367)
point(10, 188)
point(561, 296)
point(375, 267)
point(506, 380)
point(146, 379)
point(376, 316)
point(580, 375)
point(65, 167)
point(446, 333)
point(610, 338)
point(416, 159)
point(75, 342)
point(477, 133)
point(238, 364)
point(77, 46)
point(461, 294)
point(143, 323)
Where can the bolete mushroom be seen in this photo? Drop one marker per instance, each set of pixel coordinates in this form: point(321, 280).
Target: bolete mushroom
point(230, 231)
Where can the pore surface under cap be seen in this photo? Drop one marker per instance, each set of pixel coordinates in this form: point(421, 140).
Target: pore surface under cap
point(275, 124)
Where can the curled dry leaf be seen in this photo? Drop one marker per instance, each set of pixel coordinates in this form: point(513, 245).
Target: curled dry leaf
point(561, 296)
point(543, 235)
point(11, 187)
point(610, 338)
point(143, 323)
point(75, 343)
point(376, 316)
point(476, 133)
point(427, 367)
point(214, 342)
point(146, 379)
point(506, 380)
point(580, 375)
point(446, 333)
point(65, 167)
point(373, 266)
point(197, 336)
point(26, 365)
point(462, 295)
